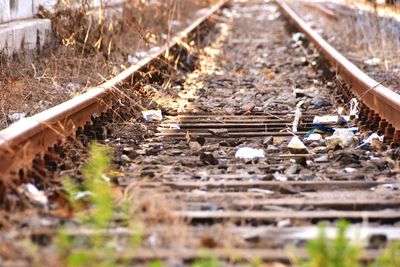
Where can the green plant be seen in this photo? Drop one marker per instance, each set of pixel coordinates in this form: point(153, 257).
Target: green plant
point(391, 256)
point(206, 262)
point(156, 263)
point(339, 252)
point(96, 213)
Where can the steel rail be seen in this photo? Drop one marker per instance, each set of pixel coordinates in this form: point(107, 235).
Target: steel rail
point(380, 99)
point(23, 141)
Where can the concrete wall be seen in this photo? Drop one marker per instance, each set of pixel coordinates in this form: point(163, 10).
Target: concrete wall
point(21, 9)
point(19, 31)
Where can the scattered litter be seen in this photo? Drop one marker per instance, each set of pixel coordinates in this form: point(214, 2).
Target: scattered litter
point(34, 194)
point(349, 170)
point(284, 223)
point(258, 190)
point(70, 87)
point(349, 129)
point(296, 146)
point(341, 138)
point(174, 127)
point(141, 54)
point(83, 195)
point(321, 159)
point(329, 119)
point(373, 137)
point(354, 107)
point(389, 186)
point(132, 59)
point(164, 36)
point(372, 61)
point(385, 186)
point(298, 37)
point(280, 177)
point(320, 129)
point(314, 137)
point(152, 115)
point(249, 153)
point(297, 116)
point(14, 117)
point(175, 24)
point(373, 140)
point(106, 178)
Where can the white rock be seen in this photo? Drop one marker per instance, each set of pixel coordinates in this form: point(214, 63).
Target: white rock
point(280, 177)
point(14, 117)
point(152, 115)
point(349, 170)
point(249, 153)
point(34, 194)
point(296, 146)
point(342, 138)
point(263, 191)
point(314, 137)
point(83, 195)
point(373, 61)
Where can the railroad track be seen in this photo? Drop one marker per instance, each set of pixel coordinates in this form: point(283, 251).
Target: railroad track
point(198, 199)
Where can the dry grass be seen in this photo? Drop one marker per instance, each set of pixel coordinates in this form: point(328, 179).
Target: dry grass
point(361, 36)
point(91, 45)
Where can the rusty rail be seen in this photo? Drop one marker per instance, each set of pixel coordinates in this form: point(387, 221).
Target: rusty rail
point(22, 141)
point(382, 105)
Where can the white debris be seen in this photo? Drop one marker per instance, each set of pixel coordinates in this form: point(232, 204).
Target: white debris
point(132, 59)
point(106, 178)
point(34, 194)
point(341, 138)
point(297, 116)
point(280, 177)
point(164, 36)
point(374, 136)
point(263, 191)
point(14, 117)
point(174, 127)
point(141, 54)
point(349, 170)
point(296, 146)
point(83, 195)
point(152, 115)
point(71, 87)
point(354, 107)
point(328, 119)
point(175, 24)
point(373, 61)
point(249, 153)
point(298, 36)
point(314, 137)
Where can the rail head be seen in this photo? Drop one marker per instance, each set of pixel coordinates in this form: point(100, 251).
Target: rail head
point(23, 140)
point(375, 96)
